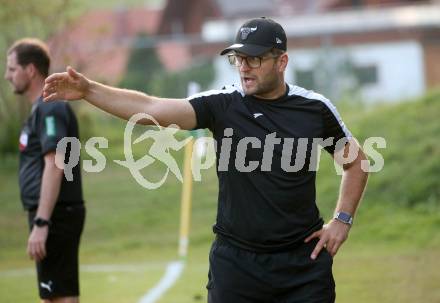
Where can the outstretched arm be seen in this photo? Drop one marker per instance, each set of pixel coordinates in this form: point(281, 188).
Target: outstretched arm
point(122, 103)
point(353, 183)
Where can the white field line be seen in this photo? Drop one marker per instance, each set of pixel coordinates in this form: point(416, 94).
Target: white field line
point(104, 268)
point(173, 272)
point(94, 268)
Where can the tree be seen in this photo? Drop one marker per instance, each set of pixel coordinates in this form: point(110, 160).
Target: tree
point(143, 65)
point(20, 19)
point(174, 85)
point(146, 73)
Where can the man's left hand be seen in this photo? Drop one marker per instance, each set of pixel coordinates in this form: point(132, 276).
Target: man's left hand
point(331, 237)
point(36, 248)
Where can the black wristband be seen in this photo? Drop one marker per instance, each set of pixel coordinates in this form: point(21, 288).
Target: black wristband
point(41, 222)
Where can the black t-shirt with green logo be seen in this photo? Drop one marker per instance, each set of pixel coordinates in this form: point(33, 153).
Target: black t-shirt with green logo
point(47, 124)
point(265, 203)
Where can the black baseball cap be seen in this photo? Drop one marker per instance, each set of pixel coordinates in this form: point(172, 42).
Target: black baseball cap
point(257, 36)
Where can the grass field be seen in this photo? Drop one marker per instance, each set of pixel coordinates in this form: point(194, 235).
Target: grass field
point(392, 254)
point(131, 234)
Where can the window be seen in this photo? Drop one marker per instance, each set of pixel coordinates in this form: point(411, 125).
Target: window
point(366, 74)
point(305, 78)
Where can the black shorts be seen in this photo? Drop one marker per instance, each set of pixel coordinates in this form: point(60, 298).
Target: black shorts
point(241, 276)
point(57, 273)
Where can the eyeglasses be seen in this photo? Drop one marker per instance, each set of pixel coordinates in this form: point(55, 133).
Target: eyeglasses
point(251, 61)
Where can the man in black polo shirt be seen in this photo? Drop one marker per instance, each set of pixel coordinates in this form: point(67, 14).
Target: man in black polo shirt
point(55, 206)
point(271, 245)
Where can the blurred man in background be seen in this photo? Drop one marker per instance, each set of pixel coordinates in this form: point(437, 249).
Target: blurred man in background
point(271, 242)
point(55, 206)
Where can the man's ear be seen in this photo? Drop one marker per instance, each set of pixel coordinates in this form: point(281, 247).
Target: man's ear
point(31, 70)
point(284, 59)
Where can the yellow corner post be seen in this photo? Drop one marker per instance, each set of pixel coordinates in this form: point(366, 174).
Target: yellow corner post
point(185, 212)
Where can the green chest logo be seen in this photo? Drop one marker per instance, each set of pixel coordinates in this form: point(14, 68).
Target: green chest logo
point(50, 126)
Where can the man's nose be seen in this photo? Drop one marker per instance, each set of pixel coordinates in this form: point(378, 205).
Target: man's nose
point(244, 66)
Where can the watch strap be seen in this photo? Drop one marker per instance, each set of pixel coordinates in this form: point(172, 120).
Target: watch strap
point(40, 222)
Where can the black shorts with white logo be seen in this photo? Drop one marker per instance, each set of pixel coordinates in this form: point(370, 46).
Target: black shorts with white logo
point(57, 273)
point(241, 276)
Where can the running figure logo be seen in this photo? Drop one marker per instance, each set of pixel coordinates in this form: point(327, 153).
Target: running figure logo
point(164, 140)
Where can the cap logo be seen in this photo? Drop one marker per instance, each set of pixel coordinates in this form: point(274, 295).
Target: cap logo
point(278, 40)
point(245, 31)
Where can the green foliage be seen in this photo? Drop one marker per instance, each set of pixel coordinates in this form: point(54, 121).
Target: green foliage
point(142, 66)
point(9, 135)
point(20, 19)
point(347, 79)
point(147, 74)
point(175, 85)
point(392, 251)
point(112, 4)
point(411, 173)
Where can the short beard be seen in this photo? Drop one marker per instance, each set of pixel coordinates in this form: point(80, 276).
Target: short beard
point(22, 90)
point(269, 85)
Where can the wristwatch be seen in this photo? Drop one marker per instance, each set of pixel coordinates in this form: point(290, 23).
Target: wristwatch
point(41, 222)
point(344, 217)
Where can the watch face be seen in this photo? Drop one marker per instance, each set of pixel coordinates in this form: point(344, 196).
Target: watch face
point(344, 217)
